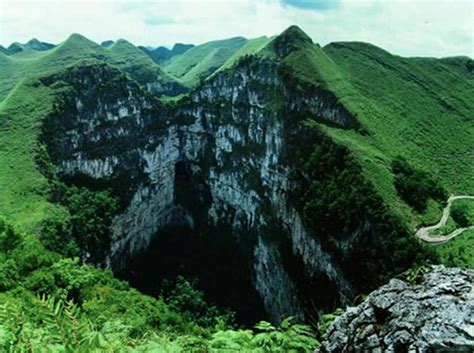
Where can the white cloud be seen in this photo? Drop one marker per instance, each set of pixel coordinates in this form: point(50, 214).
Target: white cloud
point(409, 28)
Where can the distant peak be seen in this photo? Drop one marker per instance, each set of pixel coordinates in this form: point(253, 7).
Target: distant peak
point(180, 48)
point(33, 41)
point(295, 31)
point(291, 39)
point(123, 43)
point(78, 39)
point(107, 43)
point(36, 44)
point(76, 36)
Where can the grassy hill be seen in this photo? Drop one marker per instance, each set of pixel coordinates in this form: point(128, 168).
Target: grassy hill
point(163, 54)
point(122, 54)
point(33, 44)
point(419, 108)
point(201, 61)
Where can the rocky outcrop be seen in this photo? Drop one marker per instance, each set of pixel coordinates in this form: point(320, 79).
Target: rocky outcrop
point(434, 315)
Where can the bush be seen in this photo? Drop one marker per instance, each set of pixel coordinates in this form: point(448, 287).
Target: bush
point(414, 186)
point(9, 237)
point(86, 231)
point(56, 235)
point(460, 214)
point(286, 338)
point(183, 297)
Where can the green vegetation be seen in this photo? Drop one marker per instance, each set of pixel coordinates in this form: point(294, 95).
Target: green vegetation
point(201, 61)
point(413, 107)
point(137, 64)
point(417, 108)
point(87, 228)
point(122, 54)
point(47, 301)
point(251, 47)
point(458, 252)
point(24, 188)
point(415, 187)
point(336, 198)
point(462, 212)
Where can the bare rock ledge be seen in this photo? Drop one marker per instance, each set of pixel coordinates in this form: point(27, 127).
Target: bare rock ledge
point(435, 315)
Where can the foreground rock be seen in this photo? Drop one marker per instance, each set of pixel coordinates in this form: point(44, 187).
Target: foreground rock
point(436, 315)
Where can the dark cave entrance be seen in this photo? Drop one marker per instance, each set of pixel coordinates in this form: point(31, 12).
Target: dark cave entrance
point(220, 261)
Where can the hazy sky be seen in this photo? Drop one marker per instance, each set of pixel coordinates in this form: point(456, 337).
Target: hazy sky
point(409, 27)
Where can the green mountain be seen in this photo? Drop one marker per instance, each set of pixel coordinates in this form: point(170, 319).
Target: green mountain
point(163, 54)
point(302, 171)
point(106, 43)
point(122, 54)
point(201, 61)
point(138, 65)
point(419, 108)
point(32, 44)
point(251, 47)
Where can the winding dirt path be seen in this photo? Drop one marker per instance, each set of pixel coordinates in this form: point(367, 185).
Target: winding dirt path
point(424, 232)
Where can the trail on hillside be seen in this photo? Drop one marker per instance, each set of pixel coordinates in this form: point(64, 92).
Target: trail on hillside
point(424, 232)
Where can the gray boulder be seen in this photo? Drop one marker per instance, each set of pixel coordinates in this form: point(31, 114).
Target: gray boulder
point(434, 315)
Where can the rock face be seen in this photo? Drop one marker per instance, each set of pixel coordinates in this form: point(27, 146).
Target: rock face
point(219, 164)
point(436, 315)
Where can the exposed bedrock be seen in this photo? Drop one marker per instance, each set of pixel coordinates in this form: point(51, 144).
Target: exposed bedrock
point(434, 315)
point(218, 166)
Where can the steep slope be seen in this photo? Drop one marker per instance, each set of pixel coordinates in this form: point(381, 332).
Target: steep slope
point(231, 161)
point(418, 108)
point(23, 187)
point(252, 47)
point(199, 62)
point(413, 107)
point(142, 68)
point(429, 99)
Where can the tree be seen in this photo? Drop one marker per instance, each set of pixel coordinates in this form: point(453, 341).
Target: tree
point(460, 214)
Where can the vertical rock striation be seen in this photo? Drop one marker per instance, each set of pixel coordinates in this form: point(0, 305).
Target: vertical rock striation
point(229, 140)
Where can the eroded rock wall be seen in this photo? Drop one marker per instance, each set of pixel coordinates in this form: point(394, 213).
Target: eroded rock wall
point(231, 134)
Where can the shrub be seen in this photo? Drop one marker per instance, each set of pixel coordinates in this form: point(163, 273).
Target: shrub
point(460, 214)
point(414, 186)
point(286, 338)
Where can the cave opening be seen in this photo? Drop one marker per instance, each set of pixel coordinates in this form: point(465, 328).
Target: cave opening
point(188, 246)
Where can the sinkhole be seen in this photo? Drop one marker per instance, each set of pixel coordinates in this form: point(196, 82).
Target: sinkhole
point(187, 246)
